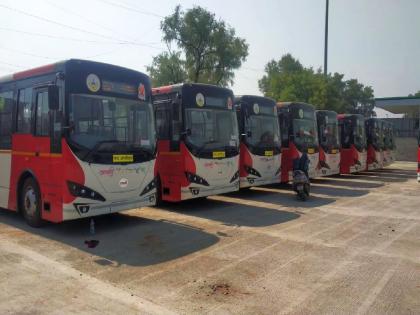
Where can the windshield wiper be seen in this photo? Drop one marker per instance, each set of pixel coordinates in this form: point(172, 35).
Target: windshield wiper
point(96, 148)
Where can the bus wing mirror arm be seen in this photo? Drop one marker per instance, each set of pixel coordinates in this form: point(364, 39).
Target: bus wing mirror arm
point(53, 97)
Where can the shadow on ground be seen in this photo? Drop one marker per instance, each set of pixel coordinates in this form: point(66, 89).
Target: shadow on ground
point(281, 195)
point(123, 239)
point(231, 212)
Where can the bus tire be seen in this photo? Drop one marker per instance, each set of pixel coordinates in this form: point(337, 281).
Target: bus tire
point(30, 203)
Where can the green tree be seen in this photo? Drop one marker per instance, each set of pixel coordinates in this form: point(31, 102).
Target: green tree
point(288, 80)
point(167, 68)
point(415, 94)
point(210, 49)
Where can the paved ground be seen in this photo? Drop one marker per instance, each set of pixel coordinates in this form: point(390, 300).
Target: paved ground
point(353, 248)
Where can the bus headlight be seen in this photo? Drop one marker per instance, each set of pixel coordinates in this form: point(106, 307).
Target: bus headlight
point(235, 177)
point(252, 171)
point(149, 187)
point(81, 191)
point(194, 178)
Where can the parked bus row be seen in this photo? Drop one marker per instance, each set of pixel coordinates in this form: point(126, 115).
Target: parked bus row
point(81, 138)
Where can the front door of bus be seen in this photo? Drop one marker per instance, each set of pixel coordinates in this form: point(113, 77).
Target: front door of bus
point(47, 147)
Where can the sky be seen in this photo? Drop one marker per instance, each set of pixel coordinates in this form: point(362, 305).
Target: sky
point(375, 41)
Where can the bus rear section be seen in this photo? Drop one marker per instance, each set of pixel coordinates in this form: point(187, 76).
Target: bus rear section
point(389, 144)
point(198, 141)
point(353, 153)
point(83, 143)
point(260, 149)
point(299, 135)
point(329, 143)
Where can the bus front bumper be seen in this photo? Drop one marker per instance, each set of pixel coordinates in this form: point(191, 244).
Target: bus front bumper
point(85, 208)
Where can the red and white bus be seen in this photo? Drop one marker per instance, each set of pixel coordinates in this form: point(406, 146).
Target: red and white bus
point(299, 134)
point(353, 153)
point(198, 141)
point(389, 143)
point(260, 148)
point(77, 139)
point(329, 143)
point(375, 143)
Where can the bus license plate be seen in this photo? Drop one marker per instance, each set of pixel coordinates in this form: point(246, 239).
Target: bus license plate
point(334, 151)
point(311, 151)
point(122, 158)
point(268, 153)
point(219, 154)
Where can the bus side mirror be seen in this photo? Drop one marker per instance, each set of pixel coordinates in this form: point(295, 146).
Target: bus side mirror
point(53, 97)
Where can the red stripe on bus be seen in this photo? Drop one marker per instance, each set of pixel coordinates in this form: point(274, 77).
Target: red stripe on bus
point(34, 72)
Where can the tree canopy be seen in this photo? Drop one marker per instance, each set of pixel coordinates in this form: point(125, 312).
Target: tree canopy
point(206, 49)
point(415, 94)
point(288, 80)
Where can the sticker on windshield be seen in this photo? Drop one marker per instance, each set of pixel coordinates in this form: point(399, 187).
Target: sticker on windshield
point(232, 143)
point(93, 83)
point(141, 92)
point(300, 113)
point(199, 99)
point(256, 108)
point(122, 158)
point(326, 119)
point(229, 103)
point(144, 142)
point(219, 154)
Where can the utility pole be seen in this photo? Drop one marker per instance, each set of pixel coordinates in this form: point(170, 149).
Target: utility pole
point(326, 39)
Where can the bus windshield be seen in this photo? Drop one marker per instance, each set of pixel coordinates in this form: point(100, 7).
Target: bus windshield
point(304, 131)
point(211, 128)
point(124, 123)
point(264, 131)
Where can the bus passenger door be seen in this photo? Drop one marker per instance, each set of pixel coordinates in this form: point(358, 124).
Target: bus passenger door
point(47, 145)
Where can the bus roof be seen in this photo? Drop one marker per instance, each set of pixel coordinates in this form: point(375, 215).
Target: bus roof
point(239, 98)
point(50, 68)
point(179, 86)
point(287, 104)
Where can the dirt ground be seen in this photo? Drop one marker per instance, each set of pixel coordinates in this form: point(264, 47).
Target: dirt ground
point(353, 248)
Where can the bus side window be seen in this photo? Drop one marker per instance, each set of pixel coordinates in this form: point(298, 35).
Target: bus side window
point(6, 106)
point(24, 110)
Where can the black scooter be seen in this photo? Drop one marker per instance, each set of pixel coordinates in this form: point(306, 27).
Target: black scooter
point(301, 183)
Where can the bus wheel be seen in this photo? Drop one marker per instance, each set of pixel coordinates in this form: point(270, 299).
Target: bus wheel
point(30, 203)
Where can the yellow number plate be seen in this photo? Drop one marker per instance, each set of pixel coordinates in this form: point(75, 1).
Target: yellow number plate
point(334, 151)
point(122, 158)
point(219, 154)
point(268, 153)
point(311, 151)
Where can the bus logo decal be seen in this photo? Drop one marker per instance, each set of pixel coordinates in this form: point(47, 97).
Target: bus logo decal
point(199, 99)
point(123, 182)
point(256, 109)
point(93, 83)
